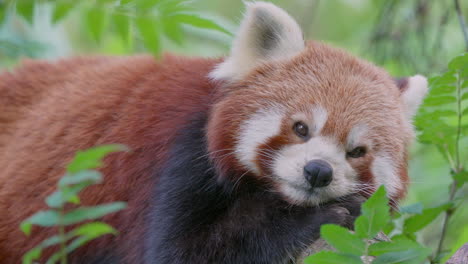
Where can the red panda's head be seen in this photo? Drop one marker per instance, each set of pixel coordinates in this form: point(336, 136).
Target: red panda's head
point(313, 121)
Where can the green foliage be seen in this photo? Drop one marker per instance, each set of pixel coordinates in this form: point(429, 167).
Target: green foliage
point(354, 247)
point(153, 19)
point(440, 123)
point(80, 175)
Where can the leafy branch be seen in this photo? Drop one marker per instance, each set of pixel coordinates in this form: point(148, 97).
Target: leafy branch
point(152, 19)
point(80, 175)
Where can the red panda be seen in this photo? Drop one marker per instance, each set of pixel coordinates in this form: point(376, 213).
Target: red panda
point(235, 160)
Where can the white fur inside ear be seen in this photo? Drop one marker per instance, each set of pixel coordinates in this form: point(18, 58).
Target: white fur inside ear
point(414, 94)
point(266, 33)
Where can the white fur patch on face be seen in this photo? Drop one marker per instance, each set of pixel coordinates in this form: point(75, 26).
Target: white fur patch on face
point(320, 116)
point(289, 165)
point(414, 94)
point(266, 33)
point(357, 136)
point(256, 131)
point(385, 174)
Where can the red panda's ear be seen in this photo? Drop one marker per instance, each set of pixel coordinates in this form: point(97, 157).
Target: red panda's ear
point(266, 33)
point(412, 89)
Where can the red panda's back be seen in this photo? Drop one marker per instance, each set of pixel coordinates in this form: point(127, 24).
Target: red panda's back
point(48, 111)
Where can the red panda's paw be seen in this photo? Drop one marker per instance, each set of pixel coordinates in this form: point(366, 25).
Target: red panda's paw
point(345, 211)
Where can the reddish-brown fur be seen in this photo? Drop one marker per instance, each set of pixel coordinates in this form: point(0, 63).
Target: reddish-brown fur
point(48, 111)
point(350, 89)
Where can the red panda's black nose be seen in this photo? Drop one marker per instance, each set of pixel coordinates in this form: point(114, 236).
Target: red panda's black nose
point(318, 173)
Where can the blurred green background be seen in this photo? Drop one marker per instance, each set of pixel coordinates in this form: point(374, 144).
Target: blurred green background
point(405, 37)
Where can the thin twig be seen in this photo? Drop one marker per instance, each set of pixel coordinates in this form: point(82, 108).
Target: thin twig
point(461, 19)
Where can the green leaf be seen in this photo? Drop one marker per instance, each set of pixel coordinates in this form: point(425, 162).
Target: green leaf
point(124, 2)
point(122, 24)
point(415, 208)
point(95, 20)
point(3, 12)
point(149, 31)
point(341, 239)
point(90, 213)
point(375, 215)
point(329, 257)
point(41, 218)
point(61, 10)
point(464, 96)
point(25, 227)
point(459, 62)
point(92, 158)
point(410, 256)
point(173, 30)
point(442, 89)
point(81, 177)
point(89, 232)
point(66, 195)
point(439, 100)
point(200, 22)
point(32, 255)
point(53, 240)
point(461, 178)
point(417, 222)
point(26, 9)
point(397, 244)
point(448, 78)
point(145, 5)
point(94, 229)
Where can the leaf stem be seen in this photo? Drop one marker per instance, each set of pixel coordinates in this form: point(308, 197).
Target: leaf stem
point(461, 20)
point(456, 168)
point(61, 227)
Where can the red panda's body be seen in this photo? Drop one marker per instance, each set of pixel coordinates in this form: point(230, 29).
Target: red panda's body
point(239, 160)
point(59, 108)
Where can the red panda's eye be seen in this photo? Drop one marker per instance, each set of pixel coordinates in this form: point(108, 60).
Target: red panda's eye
point(301, 129)
point(358, 152)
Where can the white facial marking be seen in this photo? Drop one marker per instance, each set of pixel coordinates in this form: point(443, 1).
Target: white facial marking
point(414, 94)
point(266, 33)
point(357, 136)
point(385, 174)
point(289, 165)
point(256, 131)
point(320, 116)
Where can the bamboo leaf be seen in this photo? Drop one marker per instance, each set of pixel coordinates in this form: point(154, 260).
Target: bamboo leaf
point(150, 32)
point(26, 9)
point(173, 30)
point(61, 10)
point(200, 22)
point(122, 24)
point(95, 20)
